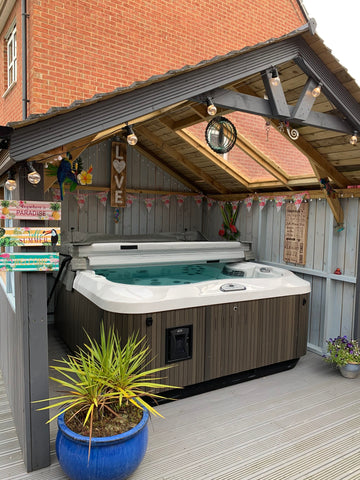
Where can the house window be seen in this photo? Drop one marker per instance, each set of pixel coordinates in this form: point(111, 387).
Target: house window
point(11, 57)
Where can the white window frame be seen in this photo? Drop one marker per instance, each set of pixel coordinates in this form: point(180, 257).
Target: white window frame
point(11, 50)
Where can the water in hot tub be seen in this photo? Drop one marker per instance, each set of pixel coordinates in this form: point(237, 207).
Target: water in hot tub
point(158, 275)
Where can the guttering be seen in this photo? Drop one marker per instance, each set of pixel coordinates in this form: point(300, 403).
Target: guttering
point(24, 17)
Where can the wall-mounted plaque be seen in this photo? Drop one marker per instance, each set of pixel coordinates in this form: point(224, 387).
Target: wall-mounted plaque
point(29, 262)
point(27, 210)
point(296, 226)
point(29, 237)
point(118, 174)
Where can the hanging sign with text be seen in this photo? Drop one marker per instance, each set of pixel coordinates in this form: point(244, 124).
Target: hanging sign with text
point(29, 237)
point(27, 210)
point(118, 174)
point(296, 226)
point(29, 262)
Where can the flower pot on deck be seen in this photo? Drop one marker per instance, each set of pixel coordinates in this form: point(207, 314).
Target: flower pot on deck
point(111, 458)
point(350, 370)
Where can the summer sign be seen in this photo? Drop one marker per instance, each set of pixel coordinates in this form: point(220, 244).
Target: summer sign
point(29, 237)
point(29, 262)
point(27, 210)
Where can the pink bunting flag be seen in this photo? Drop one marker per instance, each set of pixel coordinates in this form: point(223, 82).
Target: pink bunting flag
point(198, 200)
point(149, 202)
point(80, 198)
point(180, 200)
point(298, 198)
point(280, 200)
point(102, 197)
point(248, 202)
point(234, 205)
point(210, 203)
point(221, 204)
point(166, 200)
point(262, 202)
point(56, 194)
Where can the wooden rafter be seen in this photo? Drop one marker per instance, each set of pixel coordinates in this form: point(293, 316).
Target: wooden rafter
point(217, 159)
point(149, 135)
point(242, 142)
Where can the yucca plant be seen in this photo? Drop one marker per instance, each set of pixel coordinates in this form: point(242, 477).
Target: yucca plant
point(106, 380)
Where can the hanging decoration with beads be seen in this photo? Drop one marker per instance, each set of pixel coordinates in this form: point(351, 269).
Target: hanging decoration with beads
point(325, 184)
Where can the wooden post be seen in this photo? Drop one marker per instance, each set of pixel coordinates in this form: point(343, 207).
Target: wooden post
point(31, 313)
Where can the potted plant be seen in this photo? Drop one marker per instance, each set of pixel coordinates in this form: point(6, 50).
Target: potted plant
point(228, 230)
point(345, 354)
point(103, 412)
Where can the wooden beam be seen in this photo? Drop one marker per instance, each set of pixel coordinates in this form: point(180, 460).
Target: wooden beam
point(305, 102)
point(173, 173)
point(251, 104)
point(118, 128)
point(149, 135)
point(217, 159)
point(275, 93)
point(242, 142)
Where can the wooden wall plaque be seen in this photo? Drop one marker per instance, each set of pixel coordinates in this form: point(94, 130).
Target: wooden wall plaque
point(296, 227)
point(118, 174)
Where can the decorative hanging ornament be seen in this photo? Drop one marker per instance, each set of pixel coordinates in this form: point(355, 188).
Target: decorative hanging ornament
point(180, 200)
point(267, 129)
point(102, 197)
point(166, 200)
point(149, 202)
point(298, 198)
point(116, 215)
point(220, 135)
point(248, 202)
point(56, 194)
point(198, 200)
point(80, 198)
point(210, 202)
point(280, 200)
point(262, 202)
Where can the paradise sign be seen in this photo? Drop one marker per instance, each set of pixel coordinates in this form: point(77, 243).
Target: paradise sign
point(29, 262)
point(27, 210)
point(29, 237)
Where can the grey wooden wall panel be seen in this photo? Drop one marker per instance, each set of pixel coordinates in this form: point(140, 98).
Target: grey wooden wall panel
point(332, 301)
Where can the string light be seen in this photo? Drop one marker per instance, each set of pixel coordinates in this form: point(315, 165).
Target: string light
point(131, 138)
point(275, 80)
point(33, 177)
point(354, 138)
point(211, 109)
point(317, 90)
point(10, 183)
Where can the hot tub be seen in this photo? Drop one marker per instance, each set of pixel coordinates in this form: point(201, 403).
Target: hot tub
point(199, 304)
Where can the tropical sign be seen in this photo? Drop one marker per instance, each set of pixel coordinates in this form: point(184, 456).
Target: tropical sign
point(29, 262)
point(29, 237)
point(27, 210)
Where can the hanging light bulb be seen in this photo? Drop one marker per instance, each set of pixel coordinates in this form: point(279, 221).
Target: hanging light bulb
point(354, 138)
point(275, 80)
point(131, 137)
point(211, 109)
point(317, 90)
point(10, 183)
point(33, 177)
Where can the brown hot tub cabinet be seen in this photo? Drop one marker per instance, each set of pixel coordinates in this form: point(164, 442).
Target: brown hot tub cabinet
point(213, 340)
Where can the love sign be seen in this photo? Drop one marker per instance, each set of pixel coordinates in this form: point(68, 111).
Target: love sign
point(118, 174)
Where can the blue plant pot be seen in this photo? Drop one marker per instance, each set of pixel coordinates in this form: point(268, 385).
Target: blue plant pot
point(111, 458)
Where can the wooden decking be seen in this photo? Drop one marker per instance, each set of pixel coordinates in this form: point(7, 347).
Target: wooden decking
point(302, 424)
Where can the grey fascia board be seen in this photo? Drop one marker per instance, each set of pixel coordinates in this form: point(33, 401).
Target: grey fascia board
point(39, 137)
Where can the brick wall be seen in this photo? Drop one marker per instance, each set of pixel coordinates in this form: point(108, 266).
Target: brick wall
point(84, 47)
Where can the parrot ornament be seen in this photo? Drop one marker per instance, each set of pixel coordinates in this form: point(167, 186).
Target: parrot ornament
point(65, 172)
